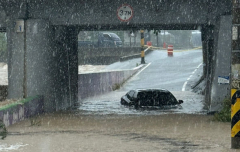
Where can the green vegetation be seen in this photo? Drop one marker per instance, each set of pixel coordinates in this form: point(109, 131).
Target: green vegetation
point(156, 31)
point(19, 101)
point(182, 36)
point(116, 86)
point(225, 114)
point(3, 130)
point(34, 121)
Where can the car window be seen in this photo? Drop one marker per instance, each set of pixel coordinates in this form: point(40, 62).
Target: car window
point(114, 37)
point(156, 98)
point(106, 36)
point(135, 94)
point(145, 98)
point(130, 94)
point(167, 99)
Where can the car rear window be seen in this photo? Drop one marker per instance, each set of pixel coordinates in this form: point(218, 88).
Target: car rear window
point(156, 98)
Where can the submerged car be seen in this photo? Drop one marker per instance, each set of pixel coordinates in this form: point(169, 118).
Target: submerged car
point(149, 97)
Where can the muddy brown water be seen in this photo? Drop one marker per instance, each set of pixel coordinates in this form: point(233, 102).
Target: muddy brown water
point(75, 132)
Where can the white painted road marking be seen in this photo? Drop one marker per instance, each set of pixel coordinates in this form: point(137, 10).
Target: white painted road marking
point(185, 84)
point(143, 69)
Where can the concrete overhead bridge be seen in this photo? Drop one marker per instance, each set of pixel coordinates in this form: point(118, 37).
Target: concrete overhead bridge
point(42, 40)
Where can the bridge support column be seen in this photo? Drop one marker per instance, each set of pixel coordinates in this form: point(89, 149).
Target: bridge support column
point(235, 79)
point(222, 59)
point(43, 61)
point(217, 50)
point(41, 70)
point(66, 45)
point(15, 45)
point(207, 43)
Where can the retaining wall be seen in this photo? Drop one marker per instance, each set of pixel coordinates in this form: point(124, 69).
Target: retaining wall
point(92, 84)
point(18, 111)
point(104, 56)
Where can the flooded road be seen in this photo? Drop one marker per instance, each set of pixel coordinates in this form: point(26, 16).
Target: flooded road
point(176, 74)
point(110, 104)
point(102, 124)
point(77, 132)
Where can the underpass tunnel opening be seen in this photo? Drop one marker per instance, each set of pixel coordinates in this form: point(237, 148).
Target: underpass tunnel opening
point(183, 41)
point(66, 71)
point(99, 47)
point(104, 47)
point(90, 40)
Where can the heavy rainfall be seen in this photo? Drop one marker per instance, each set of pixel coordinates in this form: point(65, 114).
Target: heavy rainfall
point(118, 76)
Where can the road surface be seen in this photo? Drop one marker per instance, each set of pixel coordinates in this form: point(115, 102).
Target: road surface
point(176, 74)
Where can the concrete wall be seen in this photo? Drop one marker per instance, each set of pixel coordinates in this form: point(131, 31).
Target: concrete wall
point(18, 111)
point(104, 56)
point(145, 12)
point(40, 62)
point(43, 61)
point(91, 84)
point(2, 18)
point(66, 66)
point(15, 45)
point(102, 13)
point(41, 37)
point(222, 62)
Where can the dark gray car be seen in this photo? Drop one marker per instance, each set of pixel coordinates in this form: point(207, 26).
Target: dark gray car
point(149, 97)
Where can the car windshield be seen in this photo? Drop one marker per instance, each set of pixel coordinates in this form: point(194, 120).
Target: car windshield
point(106, 36)
point(156, 98)
point(114, 37)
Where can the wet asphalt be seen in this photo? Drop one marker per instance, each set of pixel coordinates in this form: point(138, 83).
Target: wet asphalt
point(176, 74)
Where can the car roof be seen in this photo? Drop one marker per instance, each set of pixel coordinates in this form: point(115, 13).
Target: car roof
point(112, 35)
point(151, 90)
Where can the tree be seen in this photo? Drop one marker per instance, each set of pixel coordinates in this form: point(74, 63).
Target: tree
point(156, 31)
point(182, 37)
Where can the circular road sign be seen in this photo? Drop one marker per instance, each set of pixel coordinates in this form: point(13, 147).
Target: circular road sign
point(125, 13)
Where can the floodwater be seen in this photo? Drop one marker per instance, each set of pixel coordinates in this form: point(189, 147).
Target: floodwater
point(164, 72)
point(109, 103)
point(6, 147)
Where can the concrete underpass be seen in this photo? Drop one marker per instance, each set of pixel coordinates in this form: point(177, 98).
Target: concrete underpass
point(44, 59)
point(45, 43)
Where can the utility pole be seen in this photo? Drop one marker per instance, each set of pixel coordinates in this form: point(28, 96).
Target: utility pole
point(235, 81)
point(142, 47)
